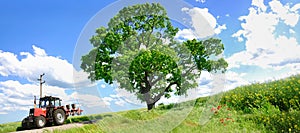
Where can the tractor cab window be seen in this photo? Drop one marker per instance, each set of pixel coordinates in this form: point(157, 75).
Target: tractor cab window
point(57, 102)
point(51, 103)
point(43, 104)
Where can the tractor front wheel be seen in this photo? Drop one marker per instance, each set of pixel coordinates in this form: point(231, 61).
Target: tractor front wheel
point(25, 124)
point(59, 117)
point(40, 121)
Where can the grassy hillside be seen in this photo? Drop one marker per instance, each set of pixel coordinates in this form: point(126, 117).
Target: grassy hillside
point(262, 107)
point(9, 127)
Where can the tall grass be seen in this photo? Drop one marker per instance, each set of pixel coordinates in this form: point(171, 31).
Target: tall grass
point(9, 127)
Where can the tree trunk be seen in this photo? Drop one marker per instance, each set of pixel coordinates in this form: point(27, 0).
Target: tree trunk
point(150, 106)
point(150, 102)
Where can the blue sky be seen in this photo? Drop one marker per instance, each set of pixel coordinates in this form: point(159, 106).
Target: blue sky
point(261, 41)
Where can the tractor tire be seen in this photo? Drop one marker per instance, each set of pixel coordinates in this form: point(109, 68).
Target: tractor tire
point(25, 124)
point(40, 121)
point(59, 117)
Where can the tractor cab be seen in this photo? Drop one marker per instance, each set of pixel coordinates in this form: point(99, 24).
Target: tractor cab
point(49, 101)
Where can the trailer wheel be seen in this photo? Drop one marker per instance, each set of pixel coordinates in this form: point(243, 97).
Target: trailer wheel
point(59, 117)
point(40, 121)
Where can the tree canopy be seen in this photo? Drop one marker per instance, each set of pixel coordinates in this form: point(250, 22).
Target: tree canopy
point(138, 51)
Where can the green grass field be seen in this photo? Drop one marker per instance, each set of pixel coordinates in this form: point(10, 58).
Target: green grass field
point(262, 107)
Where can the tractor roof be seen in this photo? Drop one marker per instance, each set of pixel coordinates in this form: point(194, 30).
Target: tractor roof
point(47, 98)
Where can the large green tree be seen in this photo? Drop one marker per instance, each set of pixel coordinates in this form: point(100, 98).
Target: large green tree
point(138, 51)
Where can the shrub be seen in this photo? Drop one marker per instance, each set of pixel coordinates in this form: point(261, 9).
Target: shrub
point(283, 94)
point(275, 120)
point(274, 104)
point(165, 107)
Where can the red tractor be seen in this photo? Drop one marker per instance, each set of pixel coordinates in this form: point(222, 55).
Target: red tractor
point(49, 112)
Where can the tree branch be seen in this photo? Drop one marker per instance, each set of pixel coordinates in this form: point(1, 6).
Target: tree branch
point(152, 29)
point(157, 97)
point(156, 80)
point(190, 70)
point(143, 40)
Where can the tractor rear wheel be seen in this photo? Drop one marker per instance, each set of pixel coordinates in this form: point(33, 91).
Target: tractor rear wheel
point(59, 117)
point(40, 121)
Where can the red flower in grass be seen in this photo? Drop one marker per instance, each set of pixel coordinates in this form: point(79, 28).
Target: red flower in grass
point(228, 119)
point(219, 107)
point(212, 109)
point(222, 120)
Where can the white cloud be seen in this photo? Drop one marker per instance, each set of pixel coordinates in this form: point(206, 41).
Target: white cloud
point(238, 35)
point(103, 86)
point(58, 72)
point(38, 51)
point(120, 102)
point(285, 13)
point(122, 96)
point(107, 100)
point(203, 22)
point(219, 28)
point(7, 62)
point(260, 4)
point(234, 80)
point(3, 113)
point(295, 8)
point(81, 80)
point(263, 47)
point(202, 1)
point(292, 31)
point(185, 34)
point(294, 71)
point(16, 96)
point(90, 101)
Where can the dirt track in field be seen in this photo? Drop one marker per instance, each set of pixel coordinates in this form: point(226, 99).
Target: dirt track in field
point(50, 129)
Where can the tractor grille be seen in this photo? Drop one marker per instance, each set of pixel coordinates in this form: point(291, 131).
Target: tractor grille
point(31, 112)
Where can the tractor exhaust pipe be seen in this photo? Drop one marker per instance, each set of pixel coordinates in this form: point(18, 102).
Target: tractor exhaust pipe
point(34, 102)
